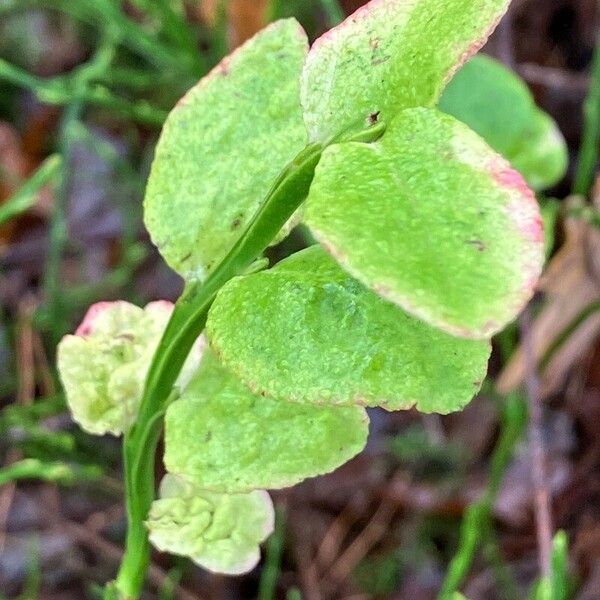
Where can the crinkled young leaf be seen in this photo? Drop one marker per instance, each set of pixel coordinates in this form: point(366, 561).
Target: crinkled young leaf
point(222, 437)
point(220, 532)
point(306, 331)
point(432, 219)
point(388, 56)
point(222, 147)
point(104, 365)
point(497, 105)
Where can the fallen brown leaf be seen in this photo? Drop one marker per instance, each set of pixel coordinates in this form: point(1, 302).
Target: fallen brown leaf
point(571, 283)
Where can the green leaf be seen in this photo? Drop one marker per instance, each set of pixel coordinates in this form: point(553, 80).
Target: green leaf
point(388, 56)
point(222, 437)
point(542, 156)
point(492, 101)
point(306, 331)
point(104, 365)
point(220, 532)
point(222, 148)
point(432, 219)
point(497, 104)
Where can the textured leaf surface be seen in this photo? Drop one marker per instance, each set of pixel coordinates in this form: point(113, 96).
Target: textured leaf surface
point(220, 532)
point(306, 331)
point(432, 219)
point(222, 437)
point(388, 56)
point(497, 105)
point(104, 365)
point(222, 147)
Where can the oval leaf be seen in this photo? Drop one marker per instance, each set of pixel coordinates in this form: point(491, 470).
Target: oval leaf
point(432, 219)
point(388, 56)
point(222, 147)
point(510, 123)
point(222, 437)
point(220, 532)
point(306, 331)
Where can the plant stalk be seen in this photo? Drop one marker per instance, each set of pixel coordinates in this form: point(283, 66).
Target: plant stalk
point(588, 153)
point(26, 196)
point(186, 324)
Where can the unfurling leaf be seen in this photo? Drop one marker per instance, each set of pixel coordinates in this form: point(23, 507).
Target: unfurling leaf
point(306, 331)
point(222, 437)
point(220, 532)
point(497, 105)
point(222, 148)
point(431, 218)
point(388, 56)
point(104, 365)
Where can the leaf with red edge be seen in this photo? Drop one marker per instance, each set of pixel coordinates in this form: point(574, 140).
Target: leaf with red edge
point(431, 218)
point(222, 148)
point(103, 366)
point(388, 56)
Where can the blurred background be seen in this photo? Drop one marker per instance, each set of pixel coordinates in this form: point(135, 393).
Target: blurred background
point(432, 501)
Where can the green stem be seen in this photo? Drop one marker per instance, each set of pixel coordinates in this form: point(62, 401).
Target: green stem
point(145, 44)
point(176, 27)
point(588, 153)
point(16, 414)
point(130, 77)
point(26, 195)
point(68, 90)
point(186, 324)
point(270, 573)
point(479, 513)
point(107, 15)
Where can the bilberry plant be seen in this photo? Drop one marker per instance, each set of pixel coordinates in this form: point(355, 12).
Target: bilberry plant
point(428, 242)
